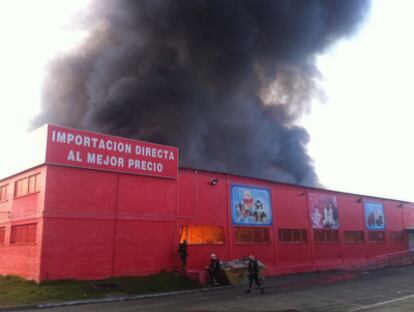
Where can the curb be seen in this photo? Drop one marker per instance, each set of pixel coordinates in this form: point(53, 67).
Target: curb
point(105, 300)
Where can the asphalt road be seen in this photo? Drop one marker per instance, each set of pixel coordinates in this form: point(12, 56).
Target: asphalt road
point(389, 290)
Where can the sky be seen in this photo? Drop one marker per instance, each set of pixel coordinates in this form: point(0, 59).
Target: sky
point(361, 138)
point(360, 135)
point(24, 55)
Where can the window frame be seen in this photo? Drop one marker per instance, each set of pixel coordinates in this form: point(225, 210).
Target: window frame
point(184, 234)
point(376, 241)
point(291, 232)
point(26, 185)
point(13, 241)
point(2, 235)
point(353, 242)
point(392, 235)
point(4, 190)
point(326, 232)
point(254, 233)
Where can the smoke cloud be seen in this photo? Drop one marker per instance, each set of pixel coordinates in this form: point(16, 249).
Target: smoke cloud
point(224, 80)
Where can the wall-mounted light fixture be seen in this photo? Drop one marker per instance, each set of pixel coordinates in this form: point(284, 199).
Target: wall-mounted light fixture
point(401, 205)
point(213, 181)
point(359, 200)
point(301, 194)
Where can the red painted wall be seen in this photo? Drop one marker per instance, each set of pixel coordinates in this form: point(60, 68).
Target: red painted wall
point(291, 212)
point(145, 225)
point(22, 259)
point(394, 218)
point(95, 224)
point(352, 218)
point(408, 215)
point(100, 224)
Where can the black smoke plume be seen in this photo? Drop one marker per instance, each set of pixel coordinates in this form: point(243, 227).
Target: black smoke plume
point(224, 80)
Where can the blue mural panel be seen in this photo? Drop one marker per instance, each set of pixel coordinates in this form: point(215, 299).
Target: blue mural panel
point(250, 205)
point(374, 216)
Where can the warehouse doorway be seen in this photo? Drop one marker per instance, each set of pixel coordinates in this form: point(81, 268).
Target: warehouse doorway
point(202, 234)
point(410, 239)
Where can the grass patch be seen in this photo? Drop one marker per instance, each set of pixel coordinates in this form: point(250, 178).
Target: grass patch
point(17, 291)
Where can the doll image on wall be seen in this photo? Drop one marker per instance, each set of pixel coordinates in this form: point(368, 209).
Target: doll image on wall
point(330, 216)
point(258, 214)
point(248, 200)
point(316, 218)
point(324, 213)
point(251, 205)
point(375, 219)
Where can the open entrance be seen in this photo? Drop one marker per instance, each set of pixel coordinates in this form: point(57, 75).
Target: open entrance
point(202, 234)
point(410, 239)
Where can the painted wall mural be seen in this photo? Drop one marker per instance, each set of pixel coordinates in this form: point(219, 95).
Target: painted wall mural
point(323, 211)
point(250, 205)
point(374, 215)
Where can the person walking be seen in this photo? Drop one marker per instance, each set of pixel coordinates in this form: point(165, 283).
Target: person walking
point(253, 274)
point(214, 270)
point(182, 251)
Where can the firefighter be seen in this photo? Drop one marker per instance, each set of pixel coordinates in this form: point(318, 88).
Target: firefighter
point(214, 270)
point(253, 274)
point(182, 251)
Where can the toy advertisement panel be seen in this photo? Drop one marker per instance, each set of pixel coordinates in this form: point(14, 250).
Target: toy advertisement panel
point(324, 211)
point(250, 205)
point(374, 216)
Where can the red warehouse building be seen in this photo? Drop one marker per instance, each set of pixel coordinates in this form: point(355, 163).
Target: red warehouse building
point(88, 205)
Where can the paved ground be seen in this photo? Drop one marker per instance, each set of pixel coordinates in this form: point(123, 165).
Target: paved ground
point(387, 290)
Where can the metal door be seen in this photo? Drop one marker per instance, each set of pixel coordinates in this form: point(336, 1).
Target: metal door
point(411, 239)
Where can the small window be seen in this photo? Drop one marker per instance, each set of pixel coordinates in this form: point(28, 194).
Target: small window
point(202, 234)
point(293, 236)
point(23, 234)
point(326, 236)
point(397, 236)
point(3, 192)
point(2, 235)
point(376, 236)
point(247, 234)
point(27, 185)
point(32, 184)
point(353, 237)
